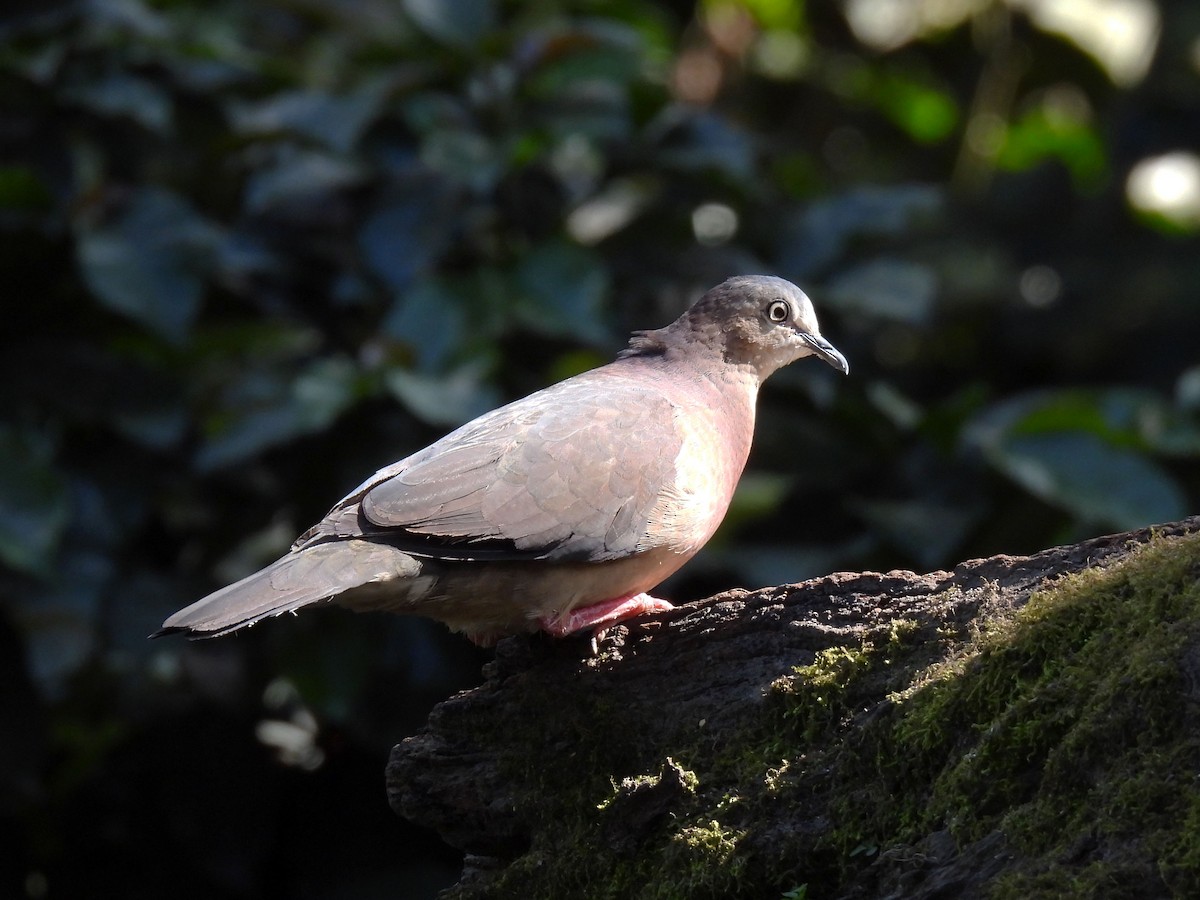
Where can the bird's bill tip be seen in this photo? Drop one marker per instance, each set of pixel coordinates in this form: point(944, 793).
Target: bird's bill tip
point(824, 350)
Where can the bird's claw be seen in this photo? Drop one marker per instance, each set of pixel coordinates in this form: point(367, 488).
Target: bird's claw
point(599, 616)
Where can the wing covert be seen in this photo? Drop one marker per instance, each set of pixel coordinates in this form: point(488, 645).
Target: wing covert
point(556, 475)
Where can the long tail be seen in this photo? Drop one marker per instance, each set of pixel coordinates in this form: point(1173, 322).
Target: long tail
point(301, 578)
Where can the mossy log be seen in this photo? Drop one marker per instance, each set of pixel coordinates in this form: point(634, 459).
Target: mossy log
point(1019, 726)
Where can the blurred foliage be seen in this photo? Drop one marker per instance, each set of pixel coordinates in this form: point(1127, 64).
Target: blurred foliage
point(254, 251)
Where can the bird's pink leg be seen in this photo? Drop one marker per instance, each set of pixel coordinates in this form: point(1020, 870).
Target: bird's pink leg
point(601, 615)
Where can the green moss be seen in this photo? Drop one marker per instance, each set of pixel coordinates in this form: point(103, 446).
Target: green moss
point(1067, 726)
point(708, 853)
point(686, 780)
point(819, 694)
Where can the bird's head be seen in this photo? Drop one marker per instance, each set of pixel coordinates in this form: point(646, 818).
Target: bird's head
point(757, 320)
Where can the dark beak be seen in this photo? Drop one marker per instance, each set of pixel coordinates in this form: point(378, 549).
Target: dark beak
point(826, 351)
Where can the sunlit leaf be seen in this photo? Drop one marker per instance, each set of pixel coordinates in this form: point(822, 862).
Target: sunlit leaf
point(787, 14)
point(928, 113)
point(1040, 134)
point(570, 364)
point(150, 263)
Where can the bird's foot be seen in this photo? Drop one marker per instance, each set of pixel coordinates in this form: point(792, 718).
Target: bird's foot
point(599, 616)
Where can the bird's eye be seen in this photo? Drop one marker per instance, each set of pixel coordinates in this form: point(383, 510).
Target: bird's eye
point(779, 311)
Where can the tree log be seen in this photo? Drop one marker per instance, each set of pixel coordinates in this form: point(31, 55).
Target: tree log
point(857, 735)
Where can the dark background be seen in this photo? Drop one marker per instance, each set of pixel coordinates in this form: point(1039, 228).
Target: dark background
point(253, 251)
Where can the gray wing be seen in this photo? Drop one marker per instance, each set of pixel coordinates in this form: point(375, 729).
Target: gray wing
point(571, 472)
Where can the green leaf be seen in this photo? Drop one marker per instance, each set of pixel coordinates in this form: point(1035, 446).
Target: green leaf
point(787, 14)
point(1090, 478)
point(1187, 390)
point(562, 288)
point(894, 290)
point(403, 238)
point(758, 494)
point(570, 364)
point(467, 157)
point(462, 23)
point(428, 111)
point(264, 411)
point(597, 56)
point(448, 400)
point(1042, 134)
point(33, 502)
point(1087, 452)
point(150, 263)
point(708, 142)
point(323, 391)
point(139, 99)
point(299, 178)
point(1121, 416)
point(929, 114)
point(826, 228)
point(62, 620)
point(132, 17)
point(927, 530)
point(337, 121)
point(431, 320)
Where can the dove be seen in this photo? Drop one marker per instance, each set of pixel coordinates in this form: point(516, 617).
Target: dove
point(559, 511)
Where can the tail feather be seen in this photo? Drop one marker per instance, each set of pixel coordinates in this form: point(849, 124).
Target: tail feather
point(300, 579)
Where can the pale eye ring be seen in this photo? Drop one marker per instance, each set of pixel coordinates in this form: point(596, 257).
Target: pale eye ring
point(779, 311)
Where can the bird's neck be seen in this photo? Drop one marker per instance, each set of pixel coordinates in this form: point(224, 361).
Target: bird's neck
point(718, 391)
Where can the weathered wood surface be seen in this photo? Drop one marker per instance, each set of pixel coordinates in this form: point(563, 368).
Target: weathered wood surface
point(693, 674)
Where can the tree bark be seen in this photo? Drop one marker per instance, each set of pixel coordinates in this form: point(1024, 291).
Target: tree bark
point(561, 746)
